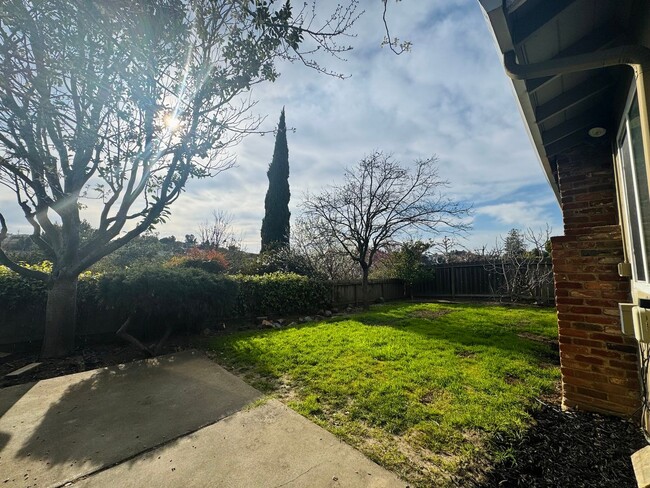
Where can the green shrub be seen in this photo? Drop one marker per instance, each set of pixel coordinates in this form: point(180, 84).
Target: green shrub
point(170, 296)
point(17, 293)
point(280, 293)
point(157, 297)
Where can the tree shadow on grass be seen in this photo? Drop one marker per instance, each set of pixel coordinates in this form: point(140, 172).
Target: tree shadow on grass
point(466, 334)
point(81, 423)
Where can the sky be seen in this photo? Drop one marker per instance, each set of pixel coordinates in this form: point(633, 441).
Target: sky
point(449, 97)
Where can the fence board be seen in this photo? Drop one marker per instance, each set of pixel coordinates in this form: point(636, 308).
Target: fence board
point(350, 292)
point(470, 280)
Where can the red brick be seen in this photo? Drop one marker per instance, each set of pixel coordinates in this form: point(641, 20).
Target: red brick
point(588, 288)
point(610, 277)
point(606, 337)
point(621, 347)
point(568, 332)
point(617, 295)
point(630, 358)
point(569, 363)
point(617, 390)
point(568, 284)
point(585, 310)
point(583, 375)
point(587, 326)
point(604, 320)
point(589, 359)
point(605, 354)
point(586, 342)
point(626, 382)
point(602, 302)
point(583, 402)
point(592, 393)
point(624, 365)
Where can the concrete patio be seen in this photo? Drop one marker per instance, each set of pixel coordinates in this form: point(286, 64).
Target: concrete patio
point(178, 420)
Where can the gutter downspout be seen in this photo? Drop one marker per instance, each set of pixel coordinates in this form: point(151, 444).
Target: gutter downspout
point(635, 56)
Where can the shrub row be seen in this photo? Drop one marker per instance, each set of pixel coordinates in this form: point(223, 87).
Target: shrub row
point(274, 293)
point(177, 296)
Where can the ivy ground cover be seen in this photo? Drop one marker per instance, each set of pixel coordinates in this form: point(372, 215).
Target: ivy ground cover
point(424, 389)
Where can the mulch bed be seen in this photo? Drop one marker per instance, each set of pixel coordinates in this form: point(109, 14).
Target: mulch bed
point(569, 449)
point(561, 449)
point(84, 359)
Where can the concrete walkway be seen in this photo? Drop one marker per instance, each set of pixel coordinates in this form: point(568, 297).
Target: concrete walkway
point(175, 421)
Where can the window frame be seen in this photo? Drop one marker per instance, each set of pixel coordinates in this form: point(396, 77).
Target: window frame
point(623, 132)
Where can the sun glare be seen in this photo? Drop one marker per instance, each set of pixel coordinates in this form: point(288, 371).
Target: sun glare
point(172, 123)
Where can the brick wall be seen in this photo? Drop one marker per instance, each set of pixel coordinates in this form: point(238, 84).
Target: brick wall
point(599, 364)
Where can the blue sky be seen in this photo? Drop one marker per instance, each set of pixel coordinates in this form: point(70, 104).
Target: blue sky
point(449, 96)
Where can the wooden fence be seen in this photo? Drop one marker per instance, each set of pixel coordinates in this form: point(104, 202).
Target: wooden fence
point(467, 280)
point(350, 292)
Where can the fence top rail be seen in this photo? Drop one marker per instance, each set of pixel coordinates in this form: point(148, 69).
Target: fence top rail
point(480, 264)
point(389, 281)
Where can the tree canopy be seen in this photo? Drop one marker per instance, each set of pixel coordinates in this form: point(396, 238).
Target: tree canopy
point(124, 102)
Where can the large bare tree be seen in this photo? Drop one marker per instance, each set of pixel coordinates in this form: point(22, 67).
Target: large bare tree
point(380, 202)
point(124, 101)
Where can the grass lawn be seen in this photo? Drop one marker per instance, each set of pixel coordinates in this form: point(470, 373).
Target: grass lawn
point(422, 389)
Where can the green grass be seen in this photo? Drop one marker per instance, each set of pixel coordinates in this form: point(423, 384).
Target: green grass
point(423, 389)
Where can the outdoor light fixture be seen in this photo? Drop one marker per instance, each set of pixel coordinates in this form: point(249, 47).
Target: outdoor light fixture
point(597, 131)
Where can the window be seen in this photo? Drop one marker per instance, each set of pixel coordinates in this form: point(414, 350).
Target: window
point(636, 198)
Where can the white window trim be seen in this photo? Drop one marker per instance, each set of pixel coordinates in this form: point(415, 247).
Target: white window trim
point(638, 287)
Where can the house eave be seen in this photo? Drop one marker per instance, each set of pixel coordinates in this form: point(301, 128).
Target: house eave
point(495, 15)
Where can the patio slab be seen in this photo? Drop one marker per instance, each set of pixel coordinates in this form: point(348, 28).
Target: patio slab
point(60, 429)
point(266, 446)
point(178, 420)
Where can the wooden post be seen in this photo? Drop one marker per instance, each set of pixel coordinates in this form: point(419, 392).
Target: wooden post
point(453, 281)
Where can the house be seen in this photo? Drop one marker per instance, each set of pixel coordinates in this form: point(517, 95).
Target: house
point(581, 74)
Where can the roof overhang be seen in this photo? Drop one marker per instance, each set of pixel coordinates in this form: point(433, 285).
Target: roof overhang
point(559, 109)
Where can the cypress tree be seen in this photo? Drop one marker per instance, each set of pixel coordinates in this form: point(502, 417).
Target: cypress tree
point(275, 225)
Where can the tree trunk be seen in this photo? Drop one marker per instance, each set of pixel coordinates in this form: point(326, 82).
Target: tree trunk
point(60, 318)
point(364, 289)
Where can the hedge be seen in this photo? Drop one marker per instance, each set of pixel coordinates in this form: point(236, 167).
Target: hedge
point(157, 297)
point(279, 293)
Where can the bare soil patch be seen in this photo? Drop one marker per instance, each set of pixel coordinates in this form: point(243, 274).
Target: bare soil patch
point(84, 359)
point(429, 314)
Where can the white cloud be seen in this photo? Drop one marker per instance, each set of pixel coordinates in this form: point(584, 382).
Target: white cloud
point(517, 214)
point(449, 97)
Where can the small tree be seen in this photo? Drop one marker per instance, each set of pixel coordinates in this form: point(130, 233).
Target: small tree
point(381, 201)
point(219, 233)
point(131, 99)
point(275, 225)
point(406, 262)
point(522, 265)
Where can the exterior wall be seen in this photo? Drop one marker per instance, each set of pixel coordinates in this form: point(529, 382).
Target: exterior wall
point(599, 364)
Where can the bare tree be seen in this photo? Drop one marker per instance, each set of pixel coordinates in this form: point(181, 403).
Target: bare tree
point(218, 233)
point(323, 251)
point(381, 201)
point(522, 265)
point(129, 99)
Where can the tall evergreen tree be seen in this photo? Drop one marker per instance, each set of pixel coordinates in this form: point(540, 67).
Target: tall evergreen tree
point(275, 225)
